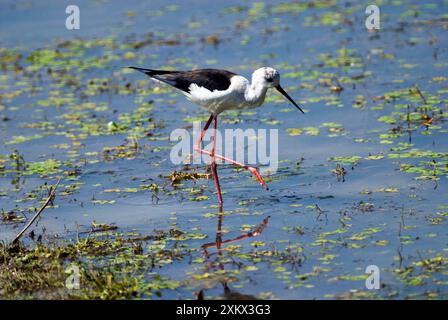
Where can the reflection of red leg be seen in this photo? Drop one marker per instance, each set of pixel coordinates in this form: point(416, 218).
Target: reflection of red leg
point(213, 163)
point(198, 148)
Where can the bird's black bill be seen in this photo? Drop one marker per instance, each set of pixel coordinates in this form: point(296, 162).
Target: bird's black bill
point(283, 92)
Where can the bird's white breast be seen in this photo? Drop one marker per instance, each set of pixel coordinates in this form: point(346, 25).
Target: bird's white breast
point(217, 101)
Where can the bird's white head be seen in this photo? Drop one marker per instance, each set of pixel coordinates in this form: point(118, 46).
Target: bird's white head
point(268, 77)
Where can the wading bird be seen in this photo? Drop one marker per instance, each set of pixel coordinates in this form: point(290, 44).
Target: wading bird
point(219, 90)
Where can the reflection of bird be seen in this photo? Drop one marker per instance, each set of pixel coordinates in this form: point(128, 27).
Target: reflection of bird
point(219, 90)
point(228, 294)
point(233, 295)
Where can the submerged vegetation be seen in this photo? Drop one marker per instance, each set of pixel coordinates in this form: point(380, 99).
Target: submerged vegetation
point(362, 176)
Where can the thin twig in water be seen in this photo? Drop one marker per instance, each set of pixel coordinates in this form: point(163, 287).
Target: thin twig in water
point(49, 199)
point(420, 93)
point(320, 212)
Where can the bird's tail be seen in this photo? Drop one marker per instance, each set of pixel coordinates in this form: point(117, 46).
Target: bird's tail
point(152, 72)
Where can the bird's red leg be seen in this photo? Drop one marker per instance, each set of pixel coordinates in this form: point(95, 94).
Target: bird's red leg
point(253, 170)
point(213, 163)
point(198, 148)
point(198, 143)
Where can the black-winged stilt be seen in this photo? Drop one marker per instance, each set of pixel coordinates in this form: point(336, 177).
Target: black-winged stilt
point(219, 90)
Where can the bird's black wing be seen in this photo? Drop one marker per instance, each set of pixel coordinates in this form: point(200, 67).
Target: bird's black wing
point(211, 79)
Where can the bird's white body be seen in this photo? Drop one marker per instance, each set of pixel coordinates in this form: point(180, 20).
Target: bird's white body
point(241, 94)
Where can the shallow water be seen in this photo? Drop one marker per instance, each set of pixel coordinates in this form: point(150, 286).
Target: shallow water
point(389, 210)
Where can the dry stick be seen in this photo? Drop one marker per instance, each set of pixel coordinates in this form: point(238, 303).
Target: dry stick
point(49, 199)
